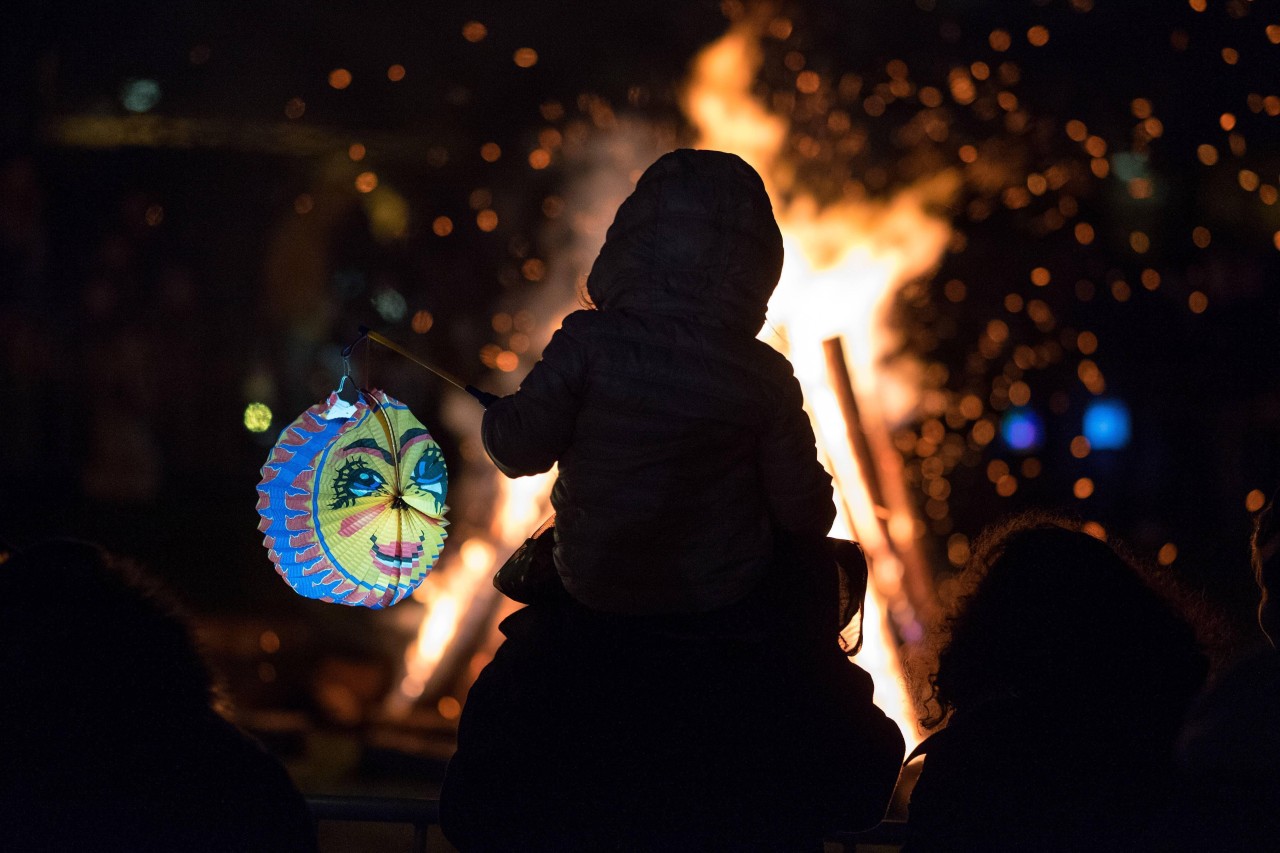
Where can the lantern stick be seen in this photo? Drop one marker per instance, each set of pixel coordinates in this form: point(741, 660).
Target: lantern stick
point(483, 397)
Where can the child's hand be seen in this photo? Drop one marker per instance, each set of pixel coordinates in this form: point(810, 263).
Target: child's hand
point(486, 399)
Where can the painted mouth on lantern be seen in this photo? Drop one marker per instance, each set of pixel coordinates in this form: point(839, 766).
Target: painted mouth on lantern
point(397, 556)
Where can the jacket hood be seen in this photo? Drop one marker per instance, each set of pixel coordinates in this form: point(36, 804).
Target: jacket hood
point(697, 238)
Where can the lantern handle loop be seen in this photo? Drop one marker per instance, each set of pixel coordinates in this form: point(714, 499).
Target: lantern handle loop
point(349, 348)
point(347, 394)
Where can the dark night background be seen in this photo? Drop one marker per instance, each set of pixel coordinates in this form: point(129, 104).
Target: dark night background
point(157, 278)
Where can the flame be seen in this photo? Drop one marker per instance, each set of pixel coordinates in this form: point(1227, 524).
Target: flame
point(717, 99)
point(452, 593)
point(844, 262)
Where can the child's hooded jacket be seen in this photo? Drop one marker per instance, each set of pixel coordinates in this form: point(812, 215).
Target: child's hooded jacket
point(680, 437)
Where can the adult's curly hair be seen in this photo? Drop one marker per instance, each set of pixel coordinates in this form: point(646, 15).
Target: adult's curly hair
point(97, 641)
point(108, 726)
point(1264, 554)
point(1048, 613)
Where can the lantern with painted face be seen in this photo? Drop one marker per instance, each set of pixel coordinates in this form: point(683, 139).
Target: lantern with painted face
point(352, 501)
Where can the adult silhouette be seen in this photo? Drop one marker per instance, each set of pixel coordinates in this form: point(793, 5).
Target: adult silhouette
point(683, 688)
point(108, 729)
point(1062, 677)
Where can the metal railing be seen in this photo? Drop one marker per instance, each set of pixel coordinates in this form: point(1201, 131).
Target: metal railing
point(422, 814)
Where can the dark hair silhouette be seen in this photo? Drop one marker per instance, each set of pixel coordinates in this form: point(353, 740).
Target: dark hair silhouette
point(1227, 792)
point(108, 725)
point(1063, 676)
point(101, 634)
point(1053, 615)
point(1264, 552)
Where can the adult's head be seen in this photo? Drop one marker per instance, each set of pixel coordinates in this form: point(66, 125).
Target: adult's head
point(108, 734)
point(1265, 553)
point(697, 239)
point(1053, 615)
point(91, 646)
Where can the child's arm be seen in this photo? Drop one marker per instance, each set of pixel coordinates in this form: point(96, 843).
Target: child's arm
point(798, 487)
point(526, 432)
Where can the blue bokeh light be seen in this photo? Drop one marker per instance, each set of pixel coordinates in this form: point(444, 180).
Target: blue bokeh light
point(1106, 424)
point(1022, 429)
point(138, 95)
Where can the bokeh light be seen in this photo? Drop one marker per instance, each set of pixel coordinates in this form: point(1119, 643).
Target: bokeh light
point(1106, 424)
point(257, 417)
point(1022, 429)
point(390, 305)
point(140, 95)
point(422, 321)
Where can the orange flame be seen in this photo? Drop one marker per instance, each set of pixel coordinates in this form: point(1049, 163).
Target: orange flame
point(451, 594)
point(844, 262)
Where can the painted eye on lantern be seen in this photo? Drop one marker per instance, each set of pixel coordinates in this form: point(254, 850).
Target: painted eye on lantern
point(356, 480)
point(429, 474)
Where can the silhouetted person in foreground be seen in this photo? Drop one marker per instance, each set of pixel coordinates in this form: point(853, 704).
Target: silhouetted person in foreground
point(108, 735)
point(1228, 784)
point(1264, 553)
point(685, 690)
point(1062, 678)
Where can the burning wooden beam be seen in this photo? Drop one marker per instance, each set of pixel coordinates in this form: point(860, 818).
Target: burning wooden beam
point(910, 594)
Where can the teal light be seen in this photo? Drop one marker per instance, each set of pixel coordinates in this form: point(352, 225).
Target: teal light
point(138, 95)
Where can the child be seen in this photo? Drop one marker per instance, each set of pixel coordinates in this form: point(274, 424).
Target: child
point(682, 445)
point(677, 692)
